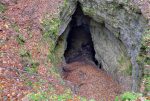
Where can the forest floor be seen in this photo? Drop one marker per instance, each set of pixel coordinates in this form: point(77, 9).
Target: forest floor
point(90, 81)
point(25, 70)
point(24, 66)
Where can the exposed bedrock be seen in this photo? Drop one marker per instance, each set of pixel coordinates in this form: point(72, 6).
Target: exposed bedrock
point(116, 28)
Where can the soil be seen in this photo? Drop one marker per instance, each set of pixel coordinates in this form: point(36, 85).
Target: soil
point(90, 81)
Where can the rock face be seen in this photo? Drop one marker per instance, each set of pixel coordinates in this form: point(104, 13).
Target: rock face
point(116, 28)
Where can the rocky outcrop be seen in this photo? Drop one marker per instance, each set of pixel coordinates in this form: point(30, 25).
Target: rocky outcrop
point(116, 28)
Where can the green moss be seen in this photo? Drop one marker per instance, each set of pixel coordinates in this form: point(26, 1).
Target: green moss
point(147, 61)
point(140, 59)
point(125, 65)
point(65, 3)
point(51, 28)
point(50, 33)
point(143, 58)
point(147, 84)
point(129, 70)
point(88, 11)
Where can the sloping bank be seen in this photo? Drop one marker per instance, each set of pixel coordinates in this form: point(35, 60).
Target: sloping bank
point(116, 29)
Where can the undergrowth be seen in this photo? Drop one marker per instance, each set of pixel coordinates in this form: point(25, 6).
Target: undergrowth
point(50, 34)
point(2, 8)
point(130, 96)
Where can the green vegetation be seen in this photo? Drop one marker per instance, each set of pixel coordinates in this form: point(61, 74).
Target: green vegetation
point(64, 6)
point(128, 96)
point(65, 3)
point(89, 11)
point(143, 57)
point(29, 83)
point(129, 70)
point(2, 8)
point(50, 33)
point(32, 67)
point(50, 95)
point(147, 83)
point(37, 97)
point(125, 64)
point(15, 27)
point(24, 53)
point(43, 96)
point(20, 39)
point(50, 28)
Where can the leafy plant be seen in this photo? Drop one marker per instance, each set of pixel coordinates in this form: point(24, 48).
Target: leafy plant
point(128, 96)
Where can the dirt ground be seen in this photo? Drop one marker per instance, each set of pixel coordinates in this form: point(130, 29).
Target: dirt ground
point(90, 81)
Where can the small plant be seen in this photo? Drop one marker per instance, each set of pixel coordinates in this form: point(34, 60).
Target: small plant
point(29, 83)
point(32, 67)
point(147, 84)
point(24, 53)
point(128, 96)
point(30, 70)
point(20, 39)
point(2, 8)
point(145, 47)
point(37, 96)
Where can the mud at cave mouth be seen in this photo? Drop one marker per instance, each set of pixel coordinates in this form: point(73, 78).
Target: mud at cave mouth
point(82, 69)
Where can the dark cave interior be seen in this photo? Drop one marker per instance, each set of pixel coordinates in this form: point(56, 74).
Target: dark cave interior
point(79, 40)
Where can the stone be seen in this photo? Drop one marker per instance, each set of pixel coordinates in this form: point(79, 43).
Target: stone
point(116, 29)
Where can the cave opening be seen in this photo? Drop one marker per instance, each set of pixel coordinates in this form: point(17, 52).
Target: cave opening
point(79, 41)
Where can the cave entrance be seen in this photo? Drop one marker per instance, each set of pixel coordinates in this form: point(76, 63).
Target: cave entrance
point(80, 66)
point(79, 41)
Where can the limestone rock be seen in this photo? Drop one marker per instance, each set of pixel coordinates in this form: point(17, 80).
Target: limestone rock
point(116, 28)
